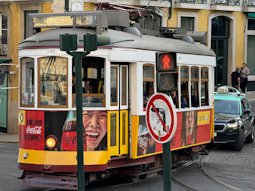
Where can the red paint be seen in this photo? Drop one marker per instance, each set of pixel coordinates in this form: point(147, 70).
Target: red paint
point(32, 135)
point(69, 141)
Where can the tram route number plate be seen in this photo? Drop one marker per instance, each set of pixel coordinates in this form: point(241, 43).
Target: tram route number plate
point(51, 51)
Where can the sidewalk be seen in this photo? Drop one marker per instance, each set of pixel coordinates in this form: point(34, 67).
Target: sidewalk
point(14, 138)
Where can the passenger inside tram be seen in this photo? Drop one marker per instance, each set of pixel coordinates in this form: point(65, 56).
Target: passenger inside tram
point(175, 99)
point(146, 98)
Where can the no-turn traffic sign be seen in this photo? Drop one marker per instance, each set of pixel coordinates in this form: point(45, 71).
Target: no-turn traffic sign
point(161, 117)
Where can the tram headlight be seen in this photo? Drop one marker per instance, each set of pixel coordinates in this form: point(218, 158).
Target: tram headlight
point(51, 142)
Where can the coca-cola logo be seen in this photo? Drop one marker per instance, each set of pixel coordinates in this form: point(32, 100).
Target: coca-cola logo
point(34, 130)
point(69, 139)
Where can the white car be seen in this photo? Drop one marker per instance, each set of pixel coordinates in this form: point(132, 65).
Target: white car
point(229, 90)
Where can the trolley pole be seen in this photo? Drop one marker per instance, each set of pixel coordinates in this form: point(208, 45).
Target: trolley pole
point(167, 166)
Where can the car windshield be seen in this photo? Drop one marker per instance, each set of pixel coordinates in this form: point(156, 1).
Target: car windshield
point(226, 107)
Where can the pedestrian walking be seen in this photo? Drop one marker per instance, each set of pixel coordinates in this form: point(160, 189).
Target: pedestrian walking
point(235, 78)
point(244, 77)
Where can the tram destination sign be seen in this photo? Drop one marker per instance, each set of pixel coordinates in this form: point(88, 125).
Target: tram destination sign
point(161, 118)
point(82, 20)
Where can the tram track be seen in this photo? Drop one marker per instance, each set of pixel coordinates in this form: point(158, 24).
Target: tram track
point(203, 171)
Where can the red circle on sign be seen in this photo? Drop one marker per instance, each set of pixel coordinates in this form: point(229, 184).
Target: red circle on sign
point(171, 108)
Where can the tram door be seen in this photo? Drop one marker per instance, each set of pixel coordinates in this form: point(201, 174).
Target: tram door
point(118, 116)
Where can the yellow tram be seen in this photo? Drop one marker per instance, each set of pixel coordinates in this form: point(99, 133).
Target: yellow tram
point(117, 79)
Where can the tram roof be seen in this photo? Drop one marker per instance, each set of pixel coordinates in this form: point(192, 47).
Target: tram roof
point(51, 38)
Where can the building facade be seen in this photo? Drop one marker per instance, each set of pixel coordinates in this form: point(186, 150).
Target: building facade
point(230, 27)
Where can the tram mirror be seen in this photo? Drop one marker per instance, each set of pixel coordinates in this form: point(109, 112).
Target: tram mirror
point(2, 75)
point(68, 42)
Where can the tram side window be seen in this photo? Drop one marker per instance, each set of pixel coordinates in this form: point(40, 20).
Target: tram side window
point(194, 86)
point(27, 82)
point(92, 82)
point(114, 85)
point(148, 82)
point(204, 86)
point(52, 81)
point(184, 84)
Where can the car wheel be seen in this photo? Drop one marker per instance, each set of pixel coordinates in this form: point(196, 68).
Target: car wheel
point(240, 140)
point(250, 137)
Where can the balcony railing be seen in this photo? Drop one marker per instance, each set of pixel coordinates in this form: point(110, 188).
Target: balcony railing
point(249, 3)
point(226, 2)
point(193, 1)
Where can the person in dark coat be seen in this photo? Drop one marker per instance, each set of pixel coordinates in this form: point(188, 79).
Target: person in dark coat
point(235, 78)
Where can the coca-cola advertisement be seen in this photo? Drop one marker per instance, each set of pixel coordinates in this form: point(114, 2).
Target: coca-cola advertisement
point(32, 130)
point(95, 129)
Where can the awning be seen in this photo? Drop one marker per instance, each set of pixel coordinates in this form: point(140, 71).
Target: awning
point(251, 15)
point(5, 60)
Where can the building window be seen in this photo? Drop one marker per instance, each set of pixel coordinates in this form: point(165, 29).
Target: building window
point(251, 24)
point(3, 35)
point(250, 53)
point(26, 23)
point(188, 23)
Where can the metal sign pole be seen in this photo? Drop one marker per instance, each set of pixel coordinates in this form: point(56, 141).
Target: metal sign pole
point(78, 89)
point(167, 166)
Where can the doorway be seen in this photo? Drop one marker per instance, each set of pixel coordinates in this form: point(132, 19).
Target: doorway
point(3, 106)
point(118, 116)
point(219, 43)
point(220, 46)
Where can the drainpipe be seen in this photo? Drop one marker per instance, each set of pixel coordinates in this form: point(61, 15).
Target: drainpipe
point(67, 5)
point(170, 9)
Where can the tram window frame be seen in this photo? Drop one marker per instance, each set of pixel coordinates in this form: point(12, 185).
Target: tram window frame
point(39, 87)
point(21, 83)
point(124, 69)
point(97, 78)
point(194, 87)
point(148, 83)
point(185, 84)
point(117, 86)
point(205, 102)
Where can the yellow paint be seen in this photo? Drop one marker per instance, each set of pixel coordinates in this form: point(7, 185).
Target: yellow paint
point(22, 117)
point(203, 19)
point(240, 35)
point(89, 7)
point(113, 133)
point(15, 39)
point(203, 117)
point(212, 124)
point(61, 157)
point(124, 132)
point(173, 22)
point(46, 8)
point(134, 136)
